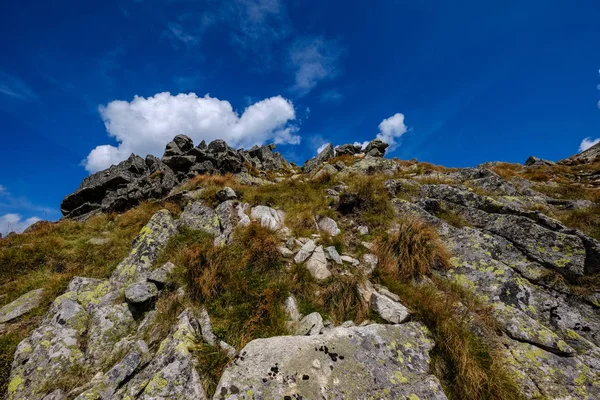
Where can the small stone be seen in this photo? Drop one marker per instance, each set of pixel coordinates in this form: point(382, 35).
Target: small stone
point(268, 217)
point(317, 264)
point(363, 230)
point(305, 252)
point(99, 241)
point(285, 252)
point(291, 309)
point(141, 292)
point(332, 255)
point(329, 226)
point(369, 261)
point(160, 275)
point(350, 260)
point(310, 325)
point(389, 309)
point(225, 194)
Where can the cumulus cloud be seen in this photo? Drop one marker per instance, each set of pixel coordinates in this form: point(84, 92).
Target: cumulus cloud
point(15, 223)
point(145, 125)
point(587, 143)
point(313, 60)
point(391, 129)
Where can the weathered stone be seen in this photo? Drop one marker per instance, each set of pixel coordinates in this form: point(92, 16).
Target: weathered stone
point(326, 154)
point(350, 260)
point(388, 309)
point(141, 292)
point(347, 149)
point(171, 374)
point(21, 306)
point(161, 275)
point(317, 264)
point(332, 255)
point(369, 262)
point(200, 217)
point(312, 324)
point(329, 226)
point(285, 252)
point(375, 361)
point(378, 145)
point(267, 217)
point(225, 194)
point(291, 309)
point(306, 251)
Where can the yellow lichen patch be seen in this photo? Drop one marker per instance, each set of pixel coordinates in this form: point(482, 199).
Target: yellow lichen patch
point(14, 384)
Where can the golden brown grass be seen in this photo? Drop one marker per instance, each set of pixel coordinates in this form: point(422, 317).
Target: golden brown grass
point(468, 365)
point(367, 201)
point(412, 252)
point(242, 285)
point(211, 363)
point(347, 159)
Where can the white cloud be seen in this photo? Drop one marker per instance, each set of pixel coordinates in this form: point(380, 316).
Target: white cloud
point(15, 223)
point(14, 87)
point(587, 143)
point(362, 145)
point(391, 129)
point(145, 125)
point(313, 60)
point(175, 31)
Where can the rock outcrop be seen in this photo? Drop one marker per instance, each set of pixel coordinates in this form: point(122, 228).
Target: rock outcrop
point(134, 180)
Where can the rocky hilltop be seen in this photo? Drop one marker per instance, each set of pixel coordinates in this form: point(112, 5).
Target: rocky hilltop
point(353, 277)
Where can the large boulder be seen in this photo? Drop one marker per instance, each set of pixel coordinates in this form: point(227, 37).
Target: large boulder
point(376, 148)
point(374, 361)
point(326, 154)
point(348, 149)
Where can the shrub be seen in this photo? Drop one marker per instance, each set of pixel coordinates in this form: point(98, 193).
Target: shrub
point(411, 252)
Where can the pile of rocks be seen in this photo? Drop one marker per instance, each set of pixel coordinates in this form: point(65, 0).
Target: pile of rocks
point(134, 180)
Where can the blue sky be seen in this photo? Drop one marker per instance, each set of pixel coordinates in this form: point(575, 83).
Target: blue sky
point(457, 83)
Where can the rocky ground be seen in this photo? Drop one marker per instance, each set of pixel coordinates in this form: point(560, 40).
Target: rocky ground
point(517, 286)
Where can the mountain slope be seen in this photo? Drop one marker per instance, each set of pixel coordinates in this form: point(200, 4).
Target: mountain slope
point(361, 277)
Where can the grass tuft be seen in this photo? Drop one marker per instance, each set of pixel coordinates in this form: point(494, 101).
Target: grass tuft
point(412, 251)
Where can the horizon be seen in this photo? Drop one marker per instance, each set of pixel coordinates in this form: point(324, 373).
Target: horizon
point(82, 85)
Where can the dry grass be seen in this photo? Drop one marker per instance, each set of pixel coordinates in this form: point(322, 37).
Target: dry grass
point(452, 217)
point(468, 365)
point(507, 170)
point(412, 251)
point(346, 159)
point(367, 201)
point(242, 285)
point(212, 361)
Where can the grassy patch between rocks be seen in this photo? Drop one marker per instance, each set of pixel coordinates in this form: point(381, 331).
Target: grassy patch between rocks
point(412, 251)
point(242, 285)
point(212, 361)
point(468, 365)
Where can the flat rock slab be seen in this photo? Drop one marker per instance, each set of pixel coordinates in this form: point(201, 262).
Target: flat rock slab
point(21, 306)
point(374, 361)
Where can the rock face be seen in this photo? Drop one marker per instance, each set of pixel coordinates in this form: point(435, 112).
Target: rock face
point(375, 361)
point(134, 180)
point(326, 154)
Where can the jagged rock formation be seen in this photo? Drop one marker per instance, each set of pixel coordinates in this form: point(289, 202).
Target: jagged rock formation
point(506, 250)
point(134, 180)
